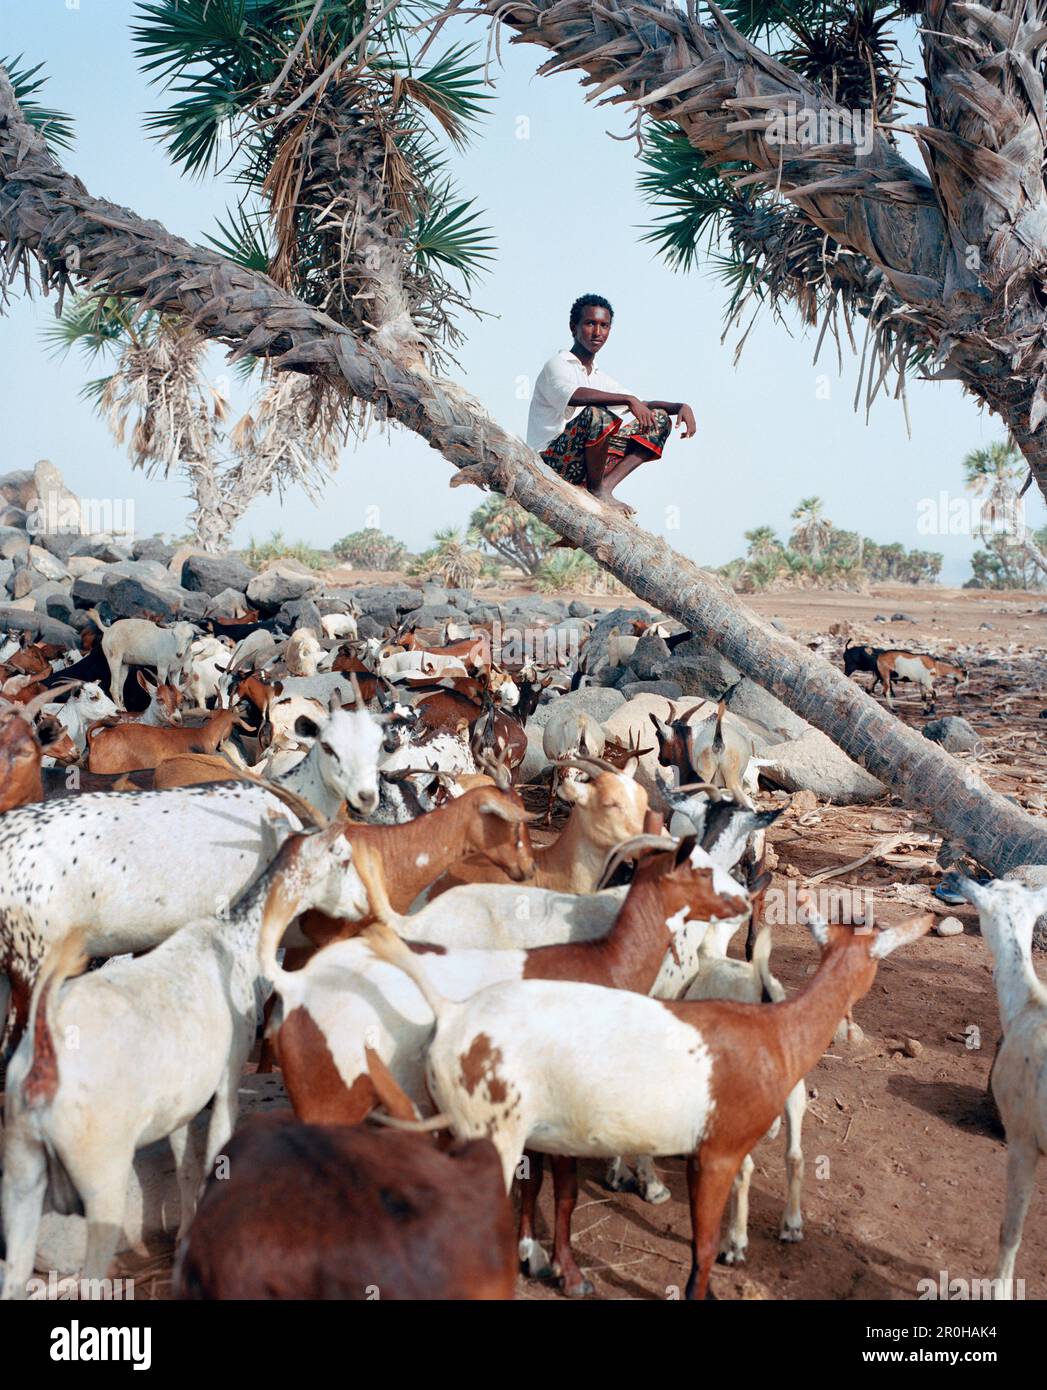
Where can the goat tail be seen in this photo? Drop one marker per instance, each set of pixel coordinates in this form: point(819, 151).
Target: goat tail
point(388, 946)
point(66, 959)
point(721, 710)
point(761, 963)
point(94, 614)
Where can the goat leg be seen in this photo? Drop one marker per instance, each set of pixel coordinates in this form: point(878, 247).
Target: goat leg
point(565, 1197)
point(709, 1181)
point(533, 1258)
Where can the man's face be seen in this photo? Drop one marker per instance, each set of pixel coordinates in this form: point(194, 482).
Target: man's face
point(592, 328)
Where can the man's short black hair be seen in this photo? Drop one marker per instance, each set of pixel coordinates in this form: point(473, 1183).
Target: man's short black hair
point(588, 301)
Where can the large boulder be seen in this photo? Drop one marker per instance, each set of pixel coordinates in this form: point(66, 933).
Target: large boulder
point(57, 507)
point(13, 542)
point(153, 548)
point(103, 548)
point(47, 629)
point(137, 598)
point(230, 604)
point(79, 565)
point(301, 612)
point(814, 763)
point(954, 734)
point(701, 670)
point(595, 700)
point(18, 488)
point(270, 590)
point(649, 656)
point(213, 573)
point(618, 619)
point(47, 565)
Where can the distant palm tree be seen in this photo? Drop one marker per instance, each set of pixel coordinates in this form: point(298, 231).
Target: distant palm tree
point(995, 473)
point(813, 530)
point(763, 543)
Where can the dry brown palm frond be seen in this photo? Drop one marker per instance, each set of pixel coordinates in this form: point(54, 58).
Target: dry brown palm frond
point(290, 438)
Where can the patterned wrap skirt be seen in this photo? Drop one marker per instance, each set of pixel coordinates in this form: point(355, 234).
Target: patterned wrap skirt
point(566, 454)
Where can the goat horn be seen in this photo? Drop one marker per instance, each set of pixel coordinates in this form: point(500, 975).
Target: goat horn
point(584, 762)
point(629, 849)
point(440, 1121)
point(297, 803)
point(714, 793)
point(33, 707)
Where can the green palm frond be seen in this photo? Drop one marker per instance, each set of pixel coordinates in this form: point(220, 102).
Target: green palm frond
point(96, 326)
point(242, 239)
point(755, 18)
point(55, 126)
point(448, 234)
point(451, 91)
point(190, 129)
point(696, 200)
point(173, 35)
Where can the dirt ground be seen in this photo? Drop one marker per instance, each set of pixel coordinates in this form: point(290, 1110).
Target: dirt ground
point(905, 1170)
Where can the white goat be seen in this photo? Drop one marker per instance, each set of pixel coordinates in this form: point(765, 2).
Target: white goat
point(303, 652)
point(1007, 911)
point(137, 642)
point(155, 1039)
point(207, 667)
point(340, 625)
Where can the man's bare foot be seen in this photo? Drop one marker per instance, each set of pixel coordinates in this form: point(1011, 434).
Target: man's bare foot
point(609, 500)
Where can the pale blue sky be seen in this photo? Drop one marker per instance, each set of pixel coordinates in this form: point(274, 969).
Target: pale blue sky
point(567, 219)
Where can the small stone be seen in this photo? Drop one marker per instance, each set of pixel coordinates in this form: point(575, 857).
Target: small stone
point(804, 801)
point(791, 871)
point(949, 926)
point(912, 1047)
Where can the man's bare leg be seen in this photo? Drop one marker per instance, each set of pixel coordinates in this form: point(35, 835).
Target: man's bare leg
point(611, 477)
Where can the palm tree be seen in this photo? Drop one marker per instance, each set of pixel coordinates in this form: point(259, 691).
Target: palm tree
point(763, 543)
point(995, 473)
point(332, 118)
point(813, 530)
point(49, 222)
point(510, 532)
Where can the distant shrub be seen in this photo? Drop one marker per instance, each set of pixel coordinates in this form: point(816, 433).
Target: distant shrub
point(371, 549)
point(276, 548)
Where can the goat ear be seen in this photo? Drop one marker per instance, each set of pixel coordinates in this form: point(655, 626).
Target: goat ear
point(901, 935)
point(145, 682)
point(305, 727)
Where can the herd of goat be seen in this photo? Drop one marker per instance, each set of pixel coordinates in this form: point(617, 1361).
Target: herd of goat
point(322, 837)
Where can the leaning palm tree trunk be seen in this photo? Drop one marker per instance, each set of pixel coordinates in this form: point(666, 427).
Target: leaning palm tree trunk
point(47, 217)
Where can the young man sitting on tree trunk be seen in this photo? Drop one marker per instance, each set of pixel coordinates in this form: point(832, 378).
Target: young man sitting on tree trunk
point(576, 423)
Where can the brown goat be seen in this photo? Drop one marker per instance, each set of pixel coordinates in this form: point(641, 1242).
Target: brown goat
point(351, 1213)
point(486, 823)
point(130, 747)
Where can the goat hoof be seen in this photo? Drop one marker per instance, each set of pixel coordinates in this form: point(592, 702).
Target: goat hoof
point(791, 1234)
point(534, 1262)
point(656, 1194)
point(580, 1289)
point(732, 1255)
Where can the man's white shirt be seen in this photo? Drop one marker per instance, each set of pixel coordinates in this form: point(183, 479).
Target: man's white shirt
point(557, 382)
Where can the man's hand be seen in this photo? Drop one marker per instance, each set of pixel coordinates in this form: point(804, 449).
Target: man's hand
point(686, 419)
point(643, 412)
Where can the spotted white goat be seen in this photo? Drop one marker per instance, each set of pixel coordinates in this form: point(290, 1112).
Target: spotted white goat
point(155, 1040)
point(132, 867)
